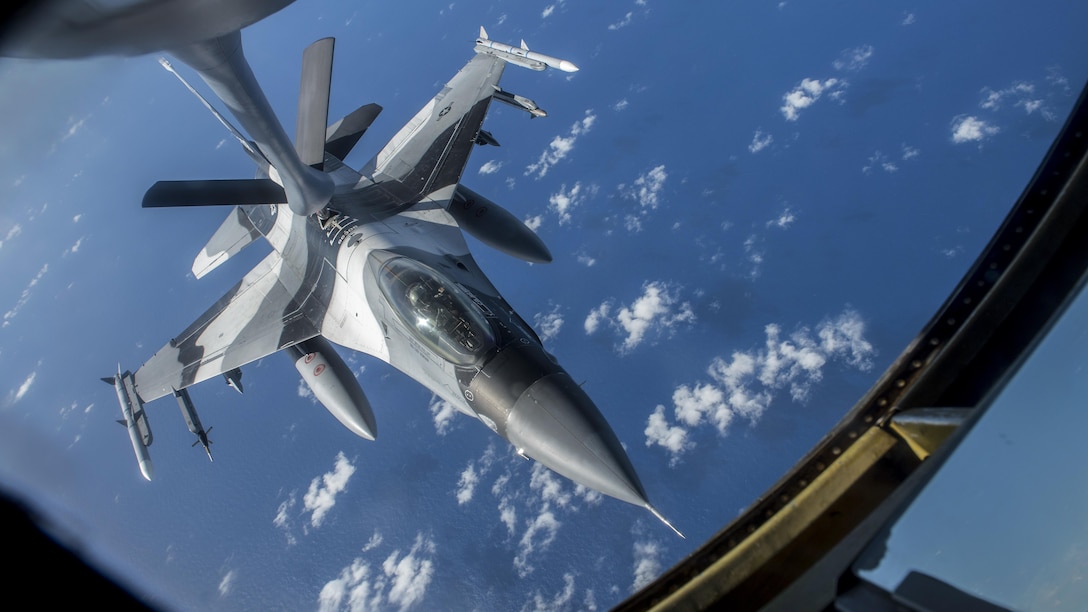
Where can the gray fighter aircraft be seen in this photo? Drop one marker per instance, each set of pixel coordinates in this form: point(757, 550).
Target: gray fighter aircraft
point(375, 260)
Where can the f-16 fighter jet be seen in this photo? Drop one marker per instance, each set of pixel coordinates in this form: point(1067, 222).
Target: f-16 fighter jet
point(374, 260)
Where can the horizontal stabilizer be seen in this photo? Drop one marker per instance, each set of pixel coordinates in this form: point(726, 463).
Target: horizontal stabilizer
point(236, 232)
point(342, 136)
point(230, 192)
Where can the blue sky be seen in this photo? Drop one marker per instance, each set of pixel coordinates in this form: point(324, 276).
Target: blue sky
point(752, 207)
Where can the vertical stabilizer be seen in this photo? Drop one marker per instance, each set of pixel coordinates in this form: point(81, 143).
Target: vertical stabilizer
point(313, 102)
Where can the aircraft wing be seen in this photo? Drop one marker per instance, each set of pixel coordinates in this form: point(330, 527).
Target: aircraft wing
point(431, 150)
point(257, 317)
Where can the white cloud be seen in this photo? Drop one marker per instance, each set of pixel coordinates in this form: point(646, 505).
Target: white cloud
point(657, 311)
point(547, 484)
point(353, 583)
point(567, 200)
point(784, 220)
point(548, 324)
point(74, 126)
point(745, 384)
point(303, 390)
point(760, 141)
point(21, 391)
point(543, 503)
point(754, 253)
point(13, 232)
point(971, 129)
point(621, 105)
point(692, 404)
point(534, 223)
point(646, 191)
point(443, 413)
point(374, 541)
point(411, 574)
point(596, 316)
point(561, 146)
point(467, 485)
point(547, 12)
point(647, 188)
point(73, 249)
point(908, 19)
point(625, 21)
point(508, 514)
point(560, 601)
point(1030, 105)
point(647, 564)
point(321, 496)
point(672, 439)
point(880, 161)
point(806, 94)
point(282, 519)
point(227, 583)
point(1021, 94)
point(24, 297)
point(491, 167)
point(586, 260)
point(281, 512)
point(400, 581)
point(538, 536)
point(652, 310)
point(1055, 78)
point(852, 60)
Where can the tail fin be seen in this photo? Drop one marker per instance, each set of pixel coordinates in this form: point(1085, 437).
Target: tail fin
point(313, 103)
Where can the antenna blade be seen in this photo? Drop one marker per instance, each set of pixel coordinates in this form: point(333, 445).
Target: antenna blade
point(313, 102)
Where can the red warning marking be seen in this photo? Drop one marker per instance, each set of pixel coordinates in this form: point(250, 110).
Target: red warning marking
point(319, 369)
point(309, 357)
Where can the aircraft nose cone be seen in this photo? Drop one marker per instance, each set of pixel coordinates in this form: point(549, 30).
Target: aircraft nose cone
point(556, 423)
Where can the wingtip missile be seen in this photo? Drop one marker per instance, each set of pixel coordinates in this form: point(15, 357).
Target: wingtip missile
point(521, 55)
point(135, 420)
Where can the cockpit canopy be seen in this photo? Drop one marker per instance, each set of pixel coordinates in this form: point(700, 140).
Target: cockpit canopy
point(436, 311)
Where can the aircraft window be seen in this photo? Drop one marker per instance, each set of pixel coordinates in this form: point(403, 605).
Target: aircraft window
point(1003, 519)
point(436, 312)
